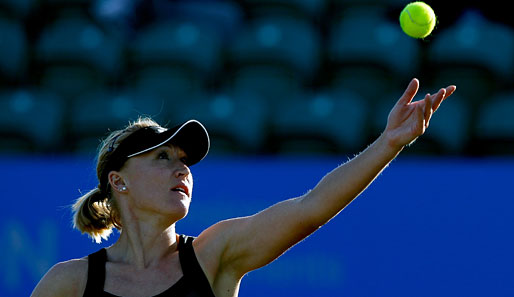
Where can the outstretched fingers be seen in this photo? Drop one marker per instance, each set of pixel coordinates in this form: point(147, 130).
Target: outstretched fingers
point(438, 98)
point(447, 92)
point(409, 93)
point(432, 103)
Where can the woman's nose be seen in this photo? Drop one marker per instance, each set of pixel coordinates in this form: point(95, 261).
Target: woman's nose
point(182, 170)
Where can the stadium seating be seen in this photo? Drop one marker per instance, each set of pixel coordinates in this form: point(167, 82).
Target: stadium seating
point(177, 43)
point(265, 59)
point(13, 50)
point(322, 122)
point(272, 57)
point(372, 60)
point(494, 126)
point(376, 3)
point(270, 84)
point(313, 9)
point(221, 16)
point(476, 55)
point(75, 55)
point(237, 122)
point(30, 121)
point(450, 127)
point(172, 84)
point(18, 8)
point(95, 113)
point(282, 42)
point(175, 59)
point(476, 42)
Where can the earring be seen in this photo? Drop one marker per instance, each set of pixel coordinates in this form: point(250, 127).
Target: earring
point(123, 188)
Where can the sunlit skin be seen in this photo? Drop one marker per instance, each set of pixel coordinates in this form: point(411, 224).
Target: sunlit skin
point(150, 179)
point(151, 203)
point(144, 260)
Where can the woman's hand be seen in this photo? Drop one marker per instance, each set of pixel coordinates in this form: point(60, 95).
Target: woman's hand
point(408, 120)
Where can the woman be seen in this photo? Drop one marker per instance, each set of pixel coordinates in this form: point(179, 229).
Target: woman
point(145, 187)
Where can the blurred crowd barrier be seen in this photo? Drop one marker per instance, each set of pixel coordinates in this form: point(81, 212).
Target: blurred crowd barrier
point(264, 76)
point(400, 238)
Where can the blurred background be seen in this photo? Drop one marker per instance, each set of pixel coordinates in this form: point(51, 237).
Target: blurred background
point(288, 89)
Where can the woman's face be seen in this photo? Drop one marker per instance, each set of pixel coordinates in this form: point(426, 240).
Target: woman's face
point(159, 181)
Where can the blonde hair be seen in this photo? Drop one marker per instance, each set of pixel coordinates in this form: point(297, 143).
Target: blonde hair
point(96, 212)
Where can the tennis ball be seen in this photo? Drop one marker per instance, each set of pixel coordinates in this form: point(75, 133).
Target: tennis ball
point(417, 19)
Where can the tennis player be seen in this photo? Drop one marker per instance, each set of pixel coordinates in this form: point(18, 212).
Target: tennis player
point(145, 187)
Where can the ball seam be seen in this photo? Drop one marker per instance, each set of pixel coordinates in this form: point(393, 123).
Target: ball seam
point(412, 20)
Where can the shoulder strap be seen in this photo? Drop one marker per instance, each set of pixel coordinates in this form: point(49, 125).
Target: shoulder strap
point(192, 270)
point(187, 255)
point(96, 273)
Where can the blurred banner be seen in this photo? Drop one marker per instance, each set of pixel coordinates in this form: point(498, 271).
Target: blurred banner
point(426, 227)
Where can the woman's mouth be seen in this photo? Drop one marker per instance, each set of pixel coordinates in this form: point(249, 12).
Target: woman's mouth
point(181, 188)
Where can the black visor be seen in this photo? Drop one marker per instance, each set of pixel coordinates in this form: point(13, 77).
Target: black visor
point(191, 137)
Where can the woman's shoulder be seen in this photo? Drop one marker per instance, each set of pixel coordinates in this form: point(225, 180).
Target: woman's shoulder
point(67, 278)
point(73, 269)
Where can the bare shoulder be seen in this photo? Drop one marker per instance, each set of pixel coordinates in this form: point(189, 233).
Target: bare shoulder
point(66, 278)
point(211, 252)
point(211, 244)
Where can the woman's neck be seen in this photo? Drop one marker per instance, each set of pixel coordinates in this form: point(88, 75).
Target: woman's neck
point(144, 243)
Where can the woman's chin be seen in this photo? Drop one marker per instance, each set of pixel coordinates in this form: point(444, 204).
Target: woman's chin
point(178, 210)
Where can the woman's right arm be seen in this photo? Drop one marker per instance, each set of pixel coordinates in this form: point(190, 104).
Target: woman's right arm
point(63, 279)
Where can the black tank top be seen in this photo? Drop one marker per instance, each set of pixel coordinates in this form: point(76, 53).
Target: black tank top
point(193, 283)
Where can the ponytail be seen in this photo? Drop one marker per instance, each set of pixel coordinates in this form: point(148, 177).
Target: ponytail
point(95, 214)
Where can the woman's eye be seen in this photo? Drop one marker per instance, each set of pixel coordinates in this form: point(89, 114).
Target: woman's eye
point(163, 155)
point(183, 160)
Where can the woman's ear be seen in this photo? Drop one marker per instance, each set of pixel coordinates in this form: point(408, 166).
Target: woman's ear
point(116, 181)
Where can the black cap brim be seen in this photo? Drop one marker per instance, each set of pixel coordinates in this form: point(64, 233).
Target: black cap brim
point(191, 137)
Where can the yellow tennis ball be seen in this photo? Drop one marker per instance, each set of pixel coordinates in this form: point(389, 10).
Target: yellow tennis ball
point(417, 19)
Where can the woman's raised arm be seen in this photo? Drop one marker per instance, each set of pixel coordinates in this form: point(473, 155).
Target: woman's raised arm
point(251, 242)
